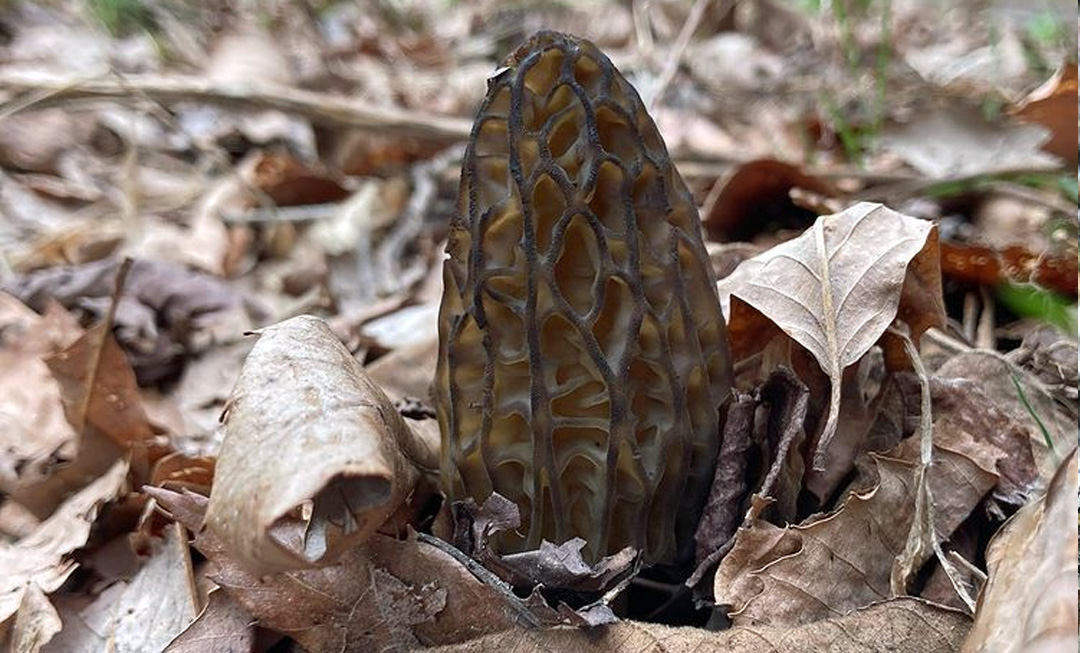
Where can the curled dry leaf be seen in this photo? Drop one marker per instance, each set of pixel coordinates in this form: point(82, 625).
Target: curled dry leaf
point(42, 558)
point(720, 517)
point(771, 425)
point(835, 289)
point(306, 429)
point(549, 565)
point(177, 470)
point(904, 624)
point(290, 182)
point(1029, 601)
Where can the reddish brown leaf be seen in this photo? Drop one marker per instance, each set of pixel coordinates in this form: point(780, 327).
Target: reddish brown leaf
point(755, 199)
point(988, 266)
point(1053, 105)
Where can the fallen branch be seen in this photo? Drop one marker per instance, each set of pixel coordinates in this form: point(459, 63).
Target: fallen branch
point(48, 89)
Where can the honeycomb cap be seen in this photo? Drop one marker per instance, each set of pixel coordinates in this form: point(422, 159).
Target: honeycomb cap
point(582, 350)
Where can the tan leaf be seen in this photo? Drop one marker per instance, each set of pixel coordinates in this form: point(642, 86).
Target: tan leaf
point(835, 289)
point(35, 433)
point(905, 624)
point(959, 142)
point(407, 371)
point(158, 603)
point(177, 470)
point(42, 557)
point(224, 626)
point(306, 429)
point(1029, 602)
point(36, 622)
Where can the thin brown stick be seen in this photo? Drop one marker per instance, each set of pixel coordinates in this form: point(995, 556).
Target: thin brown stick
point(93, 369)
point(48, 89)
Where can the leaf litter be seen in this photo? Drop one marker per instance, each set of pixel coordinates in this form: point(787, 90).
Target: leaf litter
point(312, 169)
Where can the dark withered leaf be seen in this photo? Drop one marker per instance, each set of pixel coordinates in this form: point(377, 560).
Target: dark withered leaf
point(166, 312)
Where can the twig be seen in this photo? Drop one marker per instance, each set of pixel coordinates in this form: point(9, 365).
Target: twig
point(893, 193)
point(50, 89)
point(671, 65)
point(923, 525)
point(301, 213)
point(93, 368)
point(1034, 196)
point(425, 189)
point(524, 614)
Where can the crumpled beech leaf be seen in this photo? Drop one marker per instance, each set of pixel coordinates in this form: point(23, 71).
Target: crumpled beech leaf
point(582, 356)
point(835, 289)
point(308, 435)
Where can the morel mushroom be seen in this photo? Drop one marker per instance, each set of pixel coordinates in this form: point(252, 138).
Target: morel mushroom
point(582, 351)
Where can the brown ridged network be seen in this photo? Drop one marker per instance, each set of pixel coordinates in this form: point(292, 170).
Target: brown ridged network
point(582, 351)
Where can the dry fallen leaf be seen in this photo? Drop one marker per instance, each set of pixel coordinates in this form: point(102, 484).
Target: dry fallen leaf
point(809, 571)
point(960, 143)
point(905, 624)
point(75, 636)
point(35, 434)
point(307, 430)
point(1053, 105)
point(1035, 408)
point(989, 266)
point(42, 557)
point(99, 389)
point(756, 200)
point(835, 289)
point(386, 592)
point(166, 312)
point(224, 626)
point(407, 371)
point(770, 424)
point(1029, 602)
point(36, 622)
point(158, 603)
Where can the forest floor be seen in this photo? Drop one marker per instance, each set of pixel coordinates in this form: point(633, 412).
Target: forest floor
point(176, 175)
